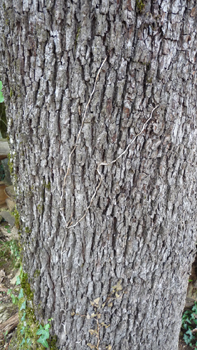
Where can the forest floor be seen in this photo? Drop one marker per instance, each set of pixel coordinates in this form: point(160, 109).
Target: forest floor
point(9, 270)
point(183, 346)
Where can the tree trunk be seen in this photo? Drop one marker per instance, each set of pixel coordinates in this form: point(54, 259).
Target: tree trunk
point(108, 258)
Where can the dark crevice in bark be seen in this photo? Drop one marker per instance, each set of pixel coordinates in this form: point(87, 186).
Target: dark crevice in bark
point(147, 69)
point(114, 234)
point(102, 95)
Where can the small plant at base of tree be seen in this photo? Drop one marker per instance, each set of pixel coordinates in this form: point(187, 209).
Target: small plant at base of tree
point(29, 329)
point(10, 250)
point(44, 334)
point(13, 297)
point(189, 326)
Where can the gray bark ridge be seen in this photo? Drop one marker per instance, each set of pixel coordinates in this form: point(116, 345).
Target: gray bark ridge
point(120, 276)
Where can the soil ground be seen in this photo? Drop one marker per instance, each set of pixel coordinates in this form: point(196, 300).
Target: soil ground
point(183, 346)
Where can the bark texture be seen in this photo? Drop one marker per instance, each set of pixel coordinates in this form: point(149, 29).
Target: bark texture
point(118, 279)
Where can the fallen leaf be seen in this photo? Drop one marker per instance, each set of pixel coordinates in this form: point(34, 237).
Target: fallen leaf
point(3, 289)
point(2, 275)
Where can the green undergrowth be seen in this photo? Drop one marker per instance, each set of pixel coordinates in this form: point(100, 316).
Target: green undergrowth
point(9, 251)
point(189, 327)
point(30, 335)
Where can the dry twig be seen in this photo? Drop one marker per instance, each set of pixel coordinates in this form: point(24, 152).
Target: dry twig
point(69, 223)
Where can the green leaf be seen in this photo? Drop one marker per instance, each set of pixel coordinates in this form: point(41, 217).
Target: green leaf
point(195, 308)
point(23, 317)
point(21, 295)
point(40, 330)
point(18, 281)
point(23, 306)
point(22, 330)
point(43, 341)
point(47, 326)
point(23, 342)
point(14, 299)
point(43, 333)
point(186, 339)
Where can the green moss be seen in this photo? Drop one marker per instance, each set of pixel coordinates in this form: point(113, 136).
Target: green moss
point(27, 229)
point(53, 343)
point(10, 164)
point(26, 337)
point(11, 93)
point(11, 167)
point(77, 35)
point(149, 81)
point(78, 32)
point(26, 286)
point(17, 217)
point(48, 186)
point(40, 208)
point(36, 273)
point(140, 5)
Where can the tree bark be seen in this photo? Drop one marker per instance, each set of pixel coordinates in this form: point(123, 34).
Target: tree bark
point(117, 279)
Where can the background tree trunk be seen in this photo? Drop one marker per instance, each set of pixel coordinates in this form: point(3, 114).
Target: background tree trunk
point(126, 264)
